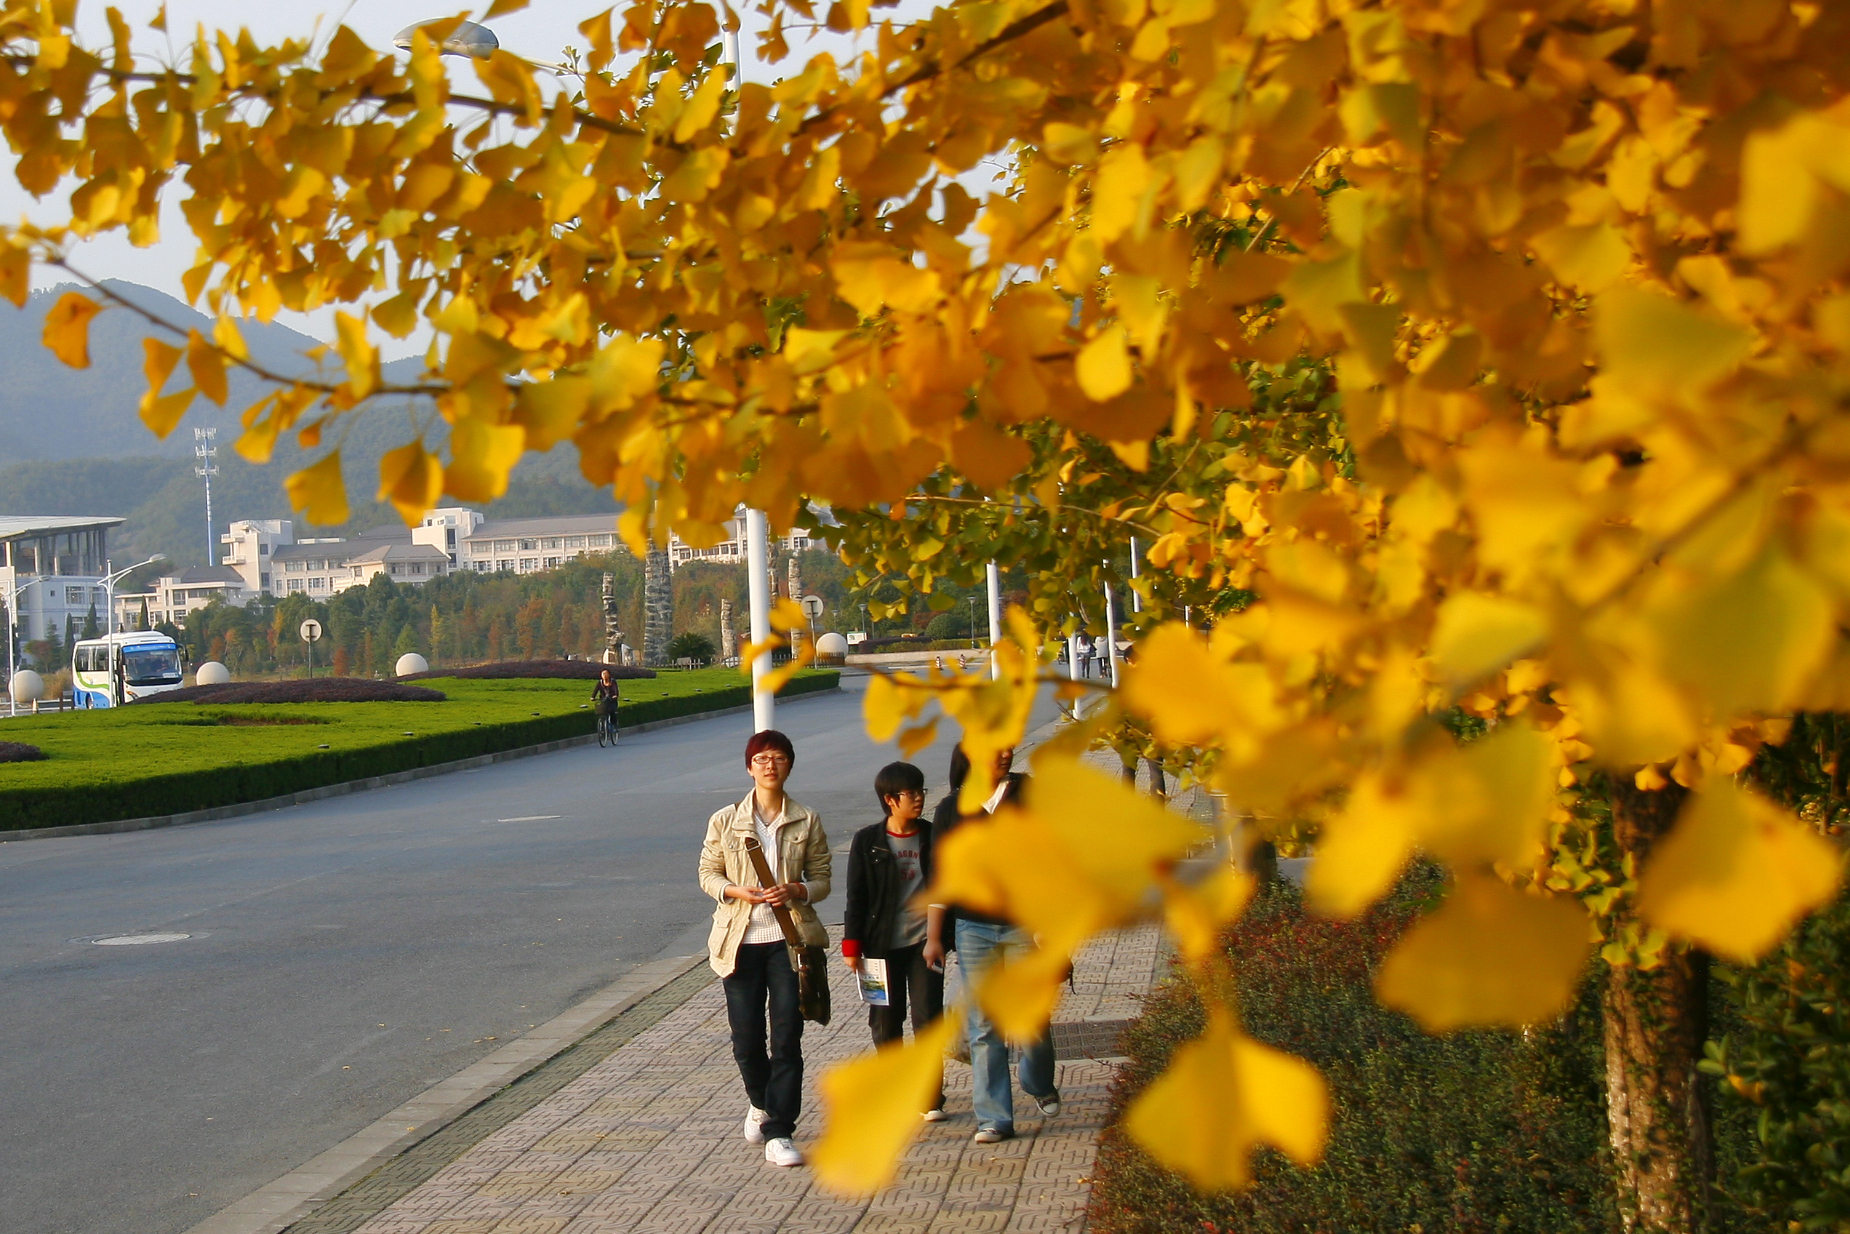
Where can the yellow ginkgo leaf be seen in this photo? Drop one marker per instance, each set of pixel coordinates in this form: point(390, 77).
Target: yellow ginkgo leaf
point(1478, 633)
point(162, 413)
point(1223, 1095)
point(1103, 366)
point(1364, 845)
point(1193, 696)
point(319, 492)
point(67, 328)
point(1736, 872)
point(885, 704)
point(361, 357)
point(1118, 836)
point(1197, 915)
point(207, 365)
point(412, 479)
point(918, 737)
point(481, 455)
point(872, 1106)
point(1020, 994)
point(1490, 955)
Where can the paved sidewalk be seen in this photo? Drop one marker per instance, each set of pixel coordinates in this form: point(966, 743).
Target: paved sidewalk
point(648, 1139)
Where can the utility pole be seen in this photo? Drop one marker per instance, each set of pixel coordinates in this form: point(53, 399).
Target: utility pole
point(993, 576)
point(205, 449)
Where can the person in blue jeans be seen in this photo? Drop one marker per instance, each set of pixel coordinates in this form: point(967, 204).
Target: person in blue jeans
point(981, 941)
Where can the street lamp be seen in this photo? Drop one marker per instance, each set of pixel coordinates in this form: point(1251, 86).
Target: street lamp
point(12, 637)
point(109, 587)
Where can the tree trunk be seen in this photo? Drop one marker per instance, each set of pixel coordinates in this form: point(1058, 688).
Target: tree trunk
point(1655, 1024)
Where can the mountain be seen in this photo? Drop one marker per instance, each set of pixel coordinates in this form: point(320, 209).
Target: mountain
point(71, 441)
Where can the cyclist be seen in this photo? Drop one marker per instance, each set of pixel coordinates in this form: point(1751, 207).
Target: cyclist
point(604, 699)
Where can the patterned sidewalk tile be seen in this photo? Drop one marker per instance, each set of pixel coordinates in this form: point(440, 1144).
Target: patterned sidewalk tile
point(647, 1141)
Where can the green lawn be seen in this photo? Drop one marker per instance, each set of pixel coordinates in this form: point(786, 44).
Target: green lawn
point(173, 757)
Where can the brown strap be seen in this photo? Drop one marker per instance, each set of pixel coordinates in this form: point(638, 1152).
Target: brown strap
point(785, 921)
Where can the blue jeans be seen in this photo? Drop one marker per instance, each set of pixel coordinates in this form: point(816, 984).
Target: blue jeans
point(762, 981)
point(978, 946)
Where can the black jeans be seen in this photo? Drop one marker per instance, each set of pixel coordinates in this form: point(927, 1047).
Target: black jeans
point(763, 979)
point(908, 982)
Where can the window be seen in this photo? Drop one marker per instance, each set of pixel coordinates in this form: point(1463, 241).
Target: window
point(293, 567)
point(574, 541)
point(318, 583)
point(152, 666)
point(504, 564)
point(481, 567)
point(552, 542)
point(504, 546)
point(600, 541)
point(296, 584)
point(552, 563)
point(395, 570)
point(417, 567)
point(263, 580)
point(263, 550)
point(528, 544)
point(529, 563)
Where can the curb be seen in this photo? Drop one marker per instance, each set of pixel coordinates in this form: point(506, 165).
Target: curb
point(306, 795)
point(276, 1206)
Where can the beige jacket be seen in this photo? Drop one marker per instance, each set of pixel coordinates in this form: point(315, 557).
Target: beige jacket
point(805, 858)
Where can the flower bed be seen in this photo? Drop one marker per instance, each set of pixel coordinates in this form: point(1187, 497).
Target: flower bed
point(19, 752)
point(576, 670)
point(310, 690)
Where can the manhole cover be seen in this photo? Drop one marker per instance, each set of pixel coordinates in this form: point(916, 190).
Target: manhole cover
point(135, 940)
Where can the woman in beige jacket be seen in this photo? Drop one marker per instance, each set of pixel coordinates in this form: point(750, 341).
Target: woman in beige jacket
point(747, 948)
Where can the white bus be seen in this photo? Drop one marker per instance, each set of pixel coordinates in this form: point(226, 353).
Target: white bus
point(120, 668)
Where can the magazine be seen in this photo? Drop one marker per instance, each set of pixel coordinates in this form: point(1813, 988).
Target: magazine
point(873, 983)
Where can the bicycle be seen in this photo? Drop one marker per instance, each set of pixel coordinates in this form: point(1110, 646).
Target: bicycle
point(607, 726)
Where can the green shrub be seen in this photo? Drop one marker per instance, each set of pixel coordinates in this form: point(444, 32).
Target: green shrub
point(1478, 1131)
point(1784, 1058)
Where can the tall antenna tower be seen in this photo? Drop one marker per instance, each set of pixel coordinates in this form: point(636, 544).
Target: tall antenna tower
point(205, 450)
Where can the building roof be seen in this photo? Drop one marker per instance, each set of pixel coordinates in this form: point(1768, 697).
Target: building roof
point(16, 526)
point(204, 576)
point(557, 525)
point(398, 552)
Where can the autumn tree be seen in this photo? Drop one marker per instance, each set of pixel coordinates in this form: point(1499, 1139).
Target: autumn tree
point(1439, 354)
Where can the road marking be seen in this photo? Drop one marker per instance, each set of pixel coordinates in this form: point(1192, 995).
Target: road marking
point(133, 940)
point(528, 818)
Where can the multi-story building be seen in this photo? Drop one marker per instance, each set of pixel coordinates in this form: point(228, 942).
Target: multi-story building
point(731, 550)
point(176, 595)
point(56, 566)
point(249, 545)
point(321, 568)
point(528, 545)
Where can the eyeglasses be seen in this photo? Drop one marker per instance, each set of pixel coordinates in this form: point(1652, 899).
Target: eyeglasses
point(909, 793)
point(770, 760)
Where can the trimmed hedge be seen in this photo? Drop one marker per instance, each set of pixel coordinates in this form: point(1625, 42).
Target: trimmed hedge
point(201, 788)
point(509, 670)
point(310, 690)
point(19, 752)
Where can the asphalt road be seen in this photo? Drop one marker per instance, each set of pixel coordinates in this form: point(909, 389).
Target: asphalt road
point(345, 955)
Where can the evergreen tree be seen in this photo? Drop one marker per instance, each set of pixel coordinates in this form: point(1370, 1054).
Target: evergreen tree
point(141, 623)
point(91, 629)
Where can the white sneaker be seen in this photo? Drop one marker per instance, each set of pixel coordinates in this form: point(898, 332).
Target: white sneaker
point(754, 1125)
point(1050, 1106)
point(782, 1152)
point(934, 1116)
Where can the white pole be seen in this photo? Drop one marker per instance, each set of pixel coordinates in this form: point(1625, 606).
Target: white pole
point(1136, 600)
point(109, 597)
point(12, 636)
point(1111, 632)
point(995, 616)
point(764, 703)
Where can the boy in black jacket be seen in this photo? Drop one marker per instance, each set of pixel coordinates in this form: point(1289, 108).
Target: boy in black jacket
point(889, 865)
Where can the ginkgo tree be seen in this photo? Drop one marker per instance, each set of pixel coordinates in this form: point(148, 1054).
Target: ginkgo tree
point(1497, 350)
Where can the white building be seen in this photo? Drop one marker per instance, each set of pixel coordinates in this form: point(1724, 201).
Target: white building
point(528, 545)
point(269, 559)
point(55, 566)
point(176, 595)
point(731, 550)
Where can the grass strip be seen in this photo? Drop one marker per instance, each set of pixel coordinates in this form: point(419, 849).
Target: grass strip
point(140, 762)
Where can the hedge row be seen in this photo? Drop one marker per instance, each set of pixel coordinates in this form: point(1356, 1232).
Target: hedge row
point(205, 789)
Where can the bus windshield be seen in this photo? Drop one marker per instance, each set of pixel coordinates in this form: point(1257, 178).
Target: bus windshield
point(152, 666)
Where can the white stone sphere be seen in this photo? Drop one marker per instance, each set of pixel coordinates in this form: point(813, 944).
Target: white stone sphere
point(28, 686)
point(409, 663)
point(212, 673)
point(831, 644)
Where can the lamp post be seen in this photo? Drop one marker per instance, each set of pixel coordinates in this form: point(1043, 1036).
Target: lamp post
point(109, 588)
point(758, 589)
point(993, 576)
point(12, 637)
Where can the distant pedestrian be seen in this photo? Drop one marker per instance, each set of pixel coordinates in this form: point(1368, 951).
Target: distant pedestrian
point(604, 699)
point(886, 919)
point(747, 947)
point(981, 941)
point(1085, 656)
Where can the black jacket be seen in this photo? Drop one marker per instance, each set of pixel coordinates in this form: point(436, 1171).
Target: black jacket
point(944, 820)
point(875, 892)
